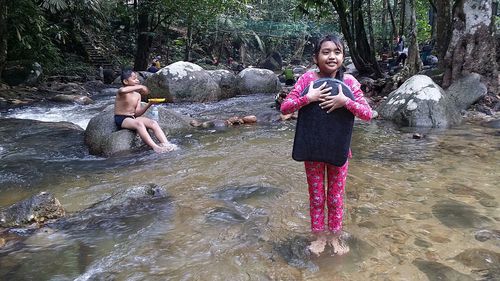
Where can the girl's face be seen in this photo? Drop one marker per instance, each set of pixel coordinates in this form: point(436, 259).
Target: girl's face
point(329, 59)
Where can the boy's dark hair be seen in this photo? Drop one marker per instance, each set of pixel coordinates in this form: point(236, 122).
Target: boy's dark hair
point(126, 74)
point(337, 41)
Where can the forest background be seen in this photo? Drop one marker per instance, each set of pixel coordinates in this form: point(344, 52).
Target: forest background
point(74, 37)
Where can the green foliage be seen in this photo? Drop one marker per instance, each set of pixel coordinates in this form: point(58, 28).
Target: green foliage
point(423, 27)
point(423, 30)
point(29, 37)
point(72, 66)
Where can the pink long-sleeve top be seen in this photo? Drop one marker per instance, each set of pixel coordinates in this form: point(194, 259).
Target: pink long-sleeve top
point(359, 106)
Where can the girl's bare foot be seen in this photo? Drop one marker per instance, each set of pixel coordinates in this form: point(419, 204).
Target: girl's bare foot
point(339, 245)
point(317, 247)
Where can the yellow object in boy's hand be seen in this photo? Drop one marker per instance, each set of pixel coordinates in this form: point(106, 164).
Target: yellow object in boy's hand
point(156, 100)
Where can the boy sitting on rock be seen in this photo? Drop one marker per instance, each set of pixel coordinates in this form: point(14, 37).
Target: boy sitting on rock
point(128, 111)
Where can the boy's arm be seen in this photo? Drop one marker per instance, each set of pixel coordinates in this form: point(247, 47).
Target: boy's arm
point(139, 110)
point(143, 90)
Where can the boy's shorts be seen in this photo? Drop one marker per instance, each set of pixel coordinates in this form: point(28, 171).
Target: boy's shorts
point(119, 119)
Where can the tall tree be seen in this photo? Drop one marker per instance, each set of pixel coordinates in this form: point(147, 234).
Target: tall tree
point(3, 34)
point(145, 31)
point(413, 60)
point(354, 34)
point(472, 47)
point(443, 27)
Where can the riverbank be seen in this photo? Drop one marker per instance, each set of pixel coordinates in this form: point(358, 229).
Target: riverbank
point(16, 96)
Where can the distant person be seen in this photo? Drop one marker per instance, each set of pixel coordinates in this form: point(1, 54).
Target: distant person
point(128, 111)
point(215, 61)
point(289, 76)
point(152, 68)
point(402, 57)
point(156, 62)
point(329, 57)
point(400, 51)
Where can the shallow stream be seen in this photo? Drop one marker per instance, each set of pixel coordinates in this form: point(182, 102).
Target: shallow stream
point(416, 209)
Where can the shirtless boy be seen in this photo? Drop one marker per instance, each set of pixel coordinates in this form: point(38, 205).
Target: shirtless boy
point(128, 113)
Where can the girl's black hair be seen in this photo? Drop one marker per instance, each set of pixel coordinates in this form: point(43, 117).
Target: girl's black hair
point(337, 41)
point(126, 74)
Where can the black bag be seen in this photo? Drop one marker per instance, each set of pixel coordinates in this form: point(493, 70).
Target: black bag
point(320, 136)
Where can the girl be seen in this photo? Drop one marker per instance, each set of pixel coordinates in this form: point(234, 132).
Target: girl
point(328, 56)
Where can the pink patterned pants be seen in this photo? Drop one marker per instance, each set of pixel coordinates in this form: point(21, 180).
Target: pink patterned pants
point(315, 172)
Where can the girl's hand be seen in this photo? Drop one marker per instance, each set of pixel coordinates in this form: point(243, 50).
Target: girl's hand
point(318, 93)
point(331, 103)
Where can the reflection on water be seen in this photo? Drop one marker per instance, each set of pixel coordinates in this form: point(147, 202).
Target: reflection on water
point(236, 196)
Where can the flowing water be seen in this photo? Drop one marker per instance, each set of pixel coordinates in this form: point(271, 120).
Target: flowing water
point(237, 202)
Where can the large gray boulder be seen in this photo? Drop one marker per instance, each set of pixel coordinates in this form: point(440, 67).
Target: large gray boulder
point(258, 81)
point(183, 81)
point(419, 102)
point(226, 81)
point(104, 139)
point(466, 91)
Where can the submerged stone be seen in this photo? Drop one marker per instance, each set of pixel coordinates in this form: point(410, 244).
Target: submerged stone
point(295, 252)
point(461, 189)
point(226, 215)
point(456, 214)
point(479, 258)
point(439, 272)
point(238, 193)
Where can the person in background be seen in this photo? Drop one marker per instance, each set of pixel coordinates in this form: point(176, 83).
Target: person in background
point(152, 68)
point(400, 51)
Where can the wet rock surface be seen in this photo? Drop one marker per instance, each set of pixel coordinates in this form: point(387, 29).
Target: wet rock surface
point(36, 209)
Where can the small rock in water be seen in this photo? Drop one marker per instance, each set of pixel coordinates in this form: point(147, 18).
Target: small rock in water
point(484, 235)
point(295, 252)
point(417, 136)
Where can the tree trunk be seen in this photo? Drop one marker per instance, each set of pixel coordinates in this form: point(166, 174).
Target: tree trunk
point(356, 39)
point(393, 22)
point(3, 35)
point(414, 62)
point(189, 37)
point(299, 48)
point(402, 17)
point(143, 40)
point(432, 17)
point(472, 46)
point(372, 38)
point(443, 28)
